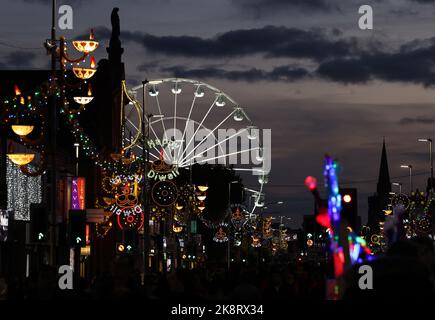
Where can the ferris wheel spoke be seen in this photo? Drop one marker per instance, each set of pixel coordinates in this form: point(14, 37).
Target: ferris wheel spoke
point(209, 134)
point(164, 128)
point(156, 136)
point(186, 123)
point(227, 155)
point(151, 154)
point(218, 144)
point(199, 126)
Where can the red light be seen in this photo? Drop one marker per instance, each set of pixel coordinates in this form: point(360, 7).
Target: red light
point(93, 64)
point(17, 90)
point(311, 183)
point(347, 198)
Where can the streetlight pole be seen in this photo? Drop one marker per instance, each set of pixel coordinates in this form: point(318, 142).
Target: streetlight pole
point(145, 157)
point(429, 140)
point(408, 166)
point(53, 132)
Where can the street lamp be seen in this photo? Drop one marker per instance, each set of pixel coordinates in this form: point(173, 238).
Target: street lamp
point(408, 166)
point(428, 140)
point(398, 184)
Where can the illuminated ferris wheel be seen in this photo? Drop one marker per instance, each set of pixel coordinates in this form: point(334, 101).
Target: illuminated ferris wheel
point(190, 122)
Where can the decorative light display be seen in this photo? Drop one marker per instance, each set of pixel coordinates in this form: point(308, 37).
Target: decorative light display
point(21, 159)
point(86, 46)
point(22, 130)
point(22, 191)
point(84, 73)
point(83, 100)
point(164, 193)
point(256, 241)
point(220, 235)
point(400, 199)
point(78, 187)
point(160, 170)
point(203, 188)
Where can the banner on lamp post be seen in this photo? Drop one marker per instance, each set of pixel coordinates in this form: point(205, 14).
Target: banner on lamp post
point(78, 198)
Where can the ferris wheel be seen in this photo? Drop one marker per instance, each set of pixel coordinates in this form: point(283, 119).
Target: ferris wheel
point(187, 122)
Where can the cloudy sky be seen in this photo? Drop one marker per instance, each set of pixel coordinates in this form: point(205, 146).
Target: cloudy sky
point(300, 67)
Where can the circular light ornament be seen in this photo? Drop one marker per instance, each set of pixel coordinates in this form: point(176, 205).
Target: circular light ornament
point(347, 198)
point(21, 159)
point(311, 183)
point(310, 242)
point(22, 130)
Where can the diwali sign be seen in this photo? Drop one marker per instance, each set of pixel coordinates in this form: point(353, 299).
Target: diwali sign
point(78, 193)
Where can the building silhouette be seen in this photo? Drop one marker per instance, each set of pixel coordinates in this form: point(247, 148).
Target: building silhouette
point(379, 201)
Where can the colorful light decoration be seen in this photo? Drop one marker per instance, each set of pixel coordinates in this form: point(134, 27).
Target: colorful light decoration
point(22, 130)
point(78, 193)
point(21, 159)
point(220, 236)
point(84, 73)
point(86, 46)
point(177, 229)
point(203, 188)
point(201, 197)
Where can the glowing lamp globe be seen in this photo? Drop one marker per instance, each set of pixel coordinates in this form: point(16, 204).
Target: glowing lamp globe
point(220, 102)
point(347, 198)
point(22, 130)
point(84, 73)
point(177, 229)
point(201, 197)
point(21, 159)
point(203, 188)
point(238, 115)
point(154, 92)
point(199, 93)
point(86, 46)
point(83, 100)
point(311, 183)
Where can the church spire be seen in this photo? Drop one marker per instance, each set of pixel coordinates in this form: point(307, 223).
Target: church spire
point(384, 183)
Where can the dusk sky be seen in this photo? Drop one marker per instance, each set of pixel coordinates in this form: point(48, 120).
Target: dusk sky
point(302, 68)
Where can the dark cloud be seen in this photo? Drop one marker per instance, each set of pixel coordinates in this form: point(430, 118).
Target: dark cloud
point(417, 120)
point(284, 73)
point(18, 59)
point(270, 41)
point(59, 2)
point(264, 7)
point(409, 64)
